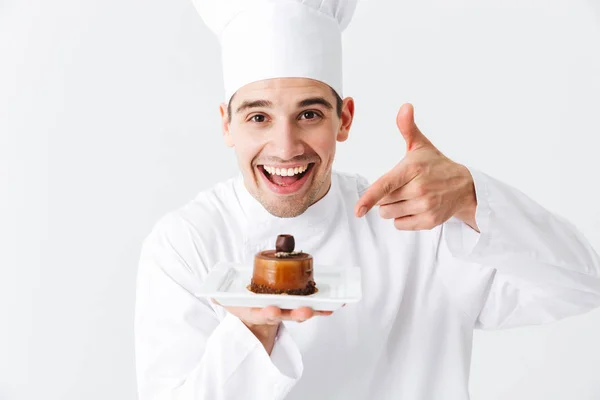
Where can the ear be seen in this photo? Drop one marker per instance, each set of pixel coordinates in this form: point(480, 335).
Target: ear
point(225, 125)
point(346, 119)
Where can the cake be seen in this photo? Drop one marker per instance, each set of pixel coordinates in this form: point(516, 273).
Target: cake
point(283, 270)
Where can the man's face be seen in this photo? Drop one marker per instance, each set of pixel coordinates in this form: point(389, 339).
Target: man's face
point(284, 132)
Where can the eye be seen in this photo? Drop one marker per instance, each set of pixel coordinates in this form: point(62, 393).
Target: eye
point(259, 118)
point(310, 115)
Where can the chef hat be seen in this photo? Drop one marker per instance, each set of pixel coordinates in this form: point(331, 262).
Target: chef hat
point(263, 39)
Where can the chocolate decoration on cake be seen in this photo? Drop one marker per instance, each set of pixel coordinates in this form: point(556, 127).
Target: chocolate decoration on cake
point(285, 244)
point(283, 270)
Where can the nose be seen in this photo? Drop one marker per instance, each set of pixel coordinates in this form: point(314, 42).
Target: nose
point(286, 142)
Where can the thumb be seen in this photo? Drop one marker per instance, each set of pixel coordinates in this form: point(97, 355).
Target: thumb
point(410, 132)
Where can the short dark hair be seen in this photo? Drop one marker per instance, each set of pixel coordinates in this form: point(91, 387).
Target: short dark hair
point(339, 103)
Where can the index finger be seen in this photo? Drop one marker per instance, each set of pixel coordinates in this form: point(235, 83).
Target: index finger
point(394, 179)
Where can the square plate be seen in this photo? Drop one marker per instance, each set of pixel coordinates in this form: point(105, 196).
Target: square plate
point(227, 283)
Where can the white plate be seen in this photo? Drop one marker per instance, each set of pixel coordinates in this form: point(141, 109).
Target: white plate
point(227, 283)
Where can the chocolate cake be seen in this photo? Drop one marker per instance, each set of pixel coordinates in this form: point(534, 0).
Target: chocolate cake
point(283, 270)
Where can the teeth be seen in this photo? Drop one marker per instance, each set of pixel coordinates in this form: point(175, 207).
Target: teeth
point(285, 171)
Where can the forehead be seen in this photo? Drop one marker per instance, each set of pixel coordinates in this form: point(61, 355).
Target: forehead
point(283, 90)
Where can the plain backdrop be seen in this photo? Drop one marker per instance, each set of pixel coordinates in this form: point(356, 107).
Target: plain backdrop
point(109, 119)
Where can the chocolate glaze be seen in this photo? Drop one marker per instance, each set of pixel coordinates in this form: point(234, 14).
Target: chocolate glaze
point(286, 273)
point(283, 271)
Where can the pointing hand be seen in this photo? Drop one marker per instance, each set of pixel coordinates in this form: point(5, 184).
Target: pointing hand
point(424, 189)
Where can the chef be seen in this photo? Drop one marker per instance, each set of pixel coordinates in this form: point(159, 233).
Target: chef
point(443, 249)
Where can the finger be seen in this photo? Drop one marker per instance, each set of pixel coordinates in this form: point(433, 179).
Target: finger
point(412, 190)
point(405, 120)
point(273, 315)
point(384, 186)
point(302, 314)
point(271, 312)
point(269, 315)
point(258, 316)
point(419, 222)
point(403, 208)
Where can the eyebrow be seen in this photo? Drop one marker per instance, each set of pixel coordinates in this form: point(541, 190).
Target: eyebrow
point(254, 104)
point(313, 101)
point(268, 104)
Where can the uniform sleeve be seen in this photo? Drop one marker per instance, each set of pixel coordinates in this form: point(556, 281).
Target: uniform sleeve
point(189, 349)
point(526, 266)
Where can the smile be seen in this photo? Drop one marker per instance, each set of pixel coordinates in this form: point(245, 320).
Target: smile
point(285, 179)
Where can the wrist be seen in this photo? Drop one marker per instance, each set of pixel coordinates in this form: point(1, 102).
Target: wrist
point(265, 334)
point(263, 331)
point(467, 211)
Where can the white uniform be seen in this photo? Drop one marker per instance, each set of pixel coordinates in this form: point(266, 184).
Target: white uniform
point(408, 338)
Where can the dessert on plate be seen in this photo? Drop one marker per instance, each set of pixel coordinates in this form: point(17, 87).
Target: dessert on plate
point(283, 270)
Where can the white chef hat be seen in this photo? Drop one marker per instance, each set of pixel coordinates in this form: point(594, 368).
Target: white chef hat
point(263, 39)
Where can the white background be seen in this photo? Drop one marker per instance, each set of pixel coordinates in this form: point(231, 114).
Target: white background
point(109, 119)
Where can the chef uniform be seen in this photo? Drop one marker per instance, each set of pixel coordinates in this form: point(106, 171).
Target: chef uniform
point(424, 292)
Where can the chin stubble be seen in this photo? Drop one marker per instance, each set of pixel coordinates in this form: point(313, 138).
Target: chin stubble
point(294, 208)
